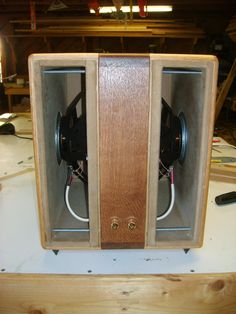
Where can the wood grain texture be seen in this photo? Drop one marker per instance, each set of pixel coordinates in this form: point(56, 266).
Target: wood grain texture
point(159, 294)
point(123, 118)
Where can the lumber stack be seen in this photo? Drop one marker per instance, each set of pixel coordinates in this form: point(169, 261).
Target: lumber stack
point(109, 28)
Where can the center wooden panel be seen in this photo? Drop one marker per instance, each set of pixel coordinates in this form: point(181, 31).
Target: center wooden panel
point(123, 120)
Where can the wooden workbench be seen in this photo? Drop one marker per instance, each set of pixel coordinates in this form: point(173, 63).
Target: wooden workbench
point(37, 281)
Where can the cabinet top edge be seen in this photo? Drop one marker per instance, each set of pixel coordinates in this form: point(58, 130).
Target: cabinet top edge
point(95, 57)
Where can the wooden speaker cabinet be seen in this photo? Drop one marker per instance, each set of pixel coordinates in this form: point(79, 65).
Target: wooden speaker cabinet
point(122, 188)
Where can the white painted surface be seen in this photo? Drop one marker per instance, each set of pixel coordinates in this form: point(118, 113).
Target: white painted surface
point(21, 252)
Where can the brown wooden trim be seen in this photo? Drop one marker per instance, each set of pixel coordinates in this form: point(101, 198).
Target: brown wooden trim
point(123, 116)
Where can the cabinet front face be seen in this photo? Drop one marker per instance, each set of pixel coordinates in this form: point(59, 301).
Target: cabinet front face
point(123, 137)
point(107, 119)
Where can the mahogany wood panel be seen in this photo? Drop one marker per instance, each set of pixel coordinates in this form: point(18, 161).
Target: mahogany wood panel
point(123, 119)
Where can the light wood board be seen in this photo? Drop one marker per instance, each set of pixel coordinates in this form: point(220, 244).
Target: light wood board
point(162, 294)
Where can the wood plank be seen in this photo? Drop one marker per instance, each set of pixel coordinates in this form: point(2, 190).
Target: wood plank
point(92, 31)
point(16, 174)
point(91, 21)
point(223, 173)
point(105, 34)
point(67, 294)
point(117, 29)
point(123, 116)
point(17, 91)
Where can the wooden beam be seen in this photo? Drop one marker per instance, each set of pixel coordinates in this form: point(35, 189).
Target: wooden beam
point(112, 28)
point(70, 294)
point(91, 21)
point(115, 32)
point(119, 28)
point(102, 34)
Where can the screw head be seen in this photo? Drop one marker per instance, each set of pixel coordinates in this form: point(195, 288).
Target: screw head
point(131, 225)
point(114, 225)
